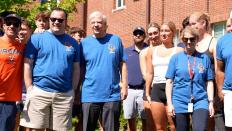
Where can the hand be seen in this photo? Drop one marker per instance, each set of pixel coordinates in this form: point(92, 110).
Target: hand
point(149, 99)
point(211, 109)
point(171, 110)
point(124, 93)
point(221, 95)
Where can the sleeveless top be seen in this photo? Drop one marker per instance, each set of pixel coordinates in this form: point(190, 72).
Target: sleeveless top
point(160, 66)
point(209, 54)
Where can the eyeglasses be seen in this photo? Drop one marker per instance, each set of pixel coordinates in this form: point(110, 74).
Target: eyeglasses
point(138, 33)
point(15, 24)
point(192, 40)
point(58, 19)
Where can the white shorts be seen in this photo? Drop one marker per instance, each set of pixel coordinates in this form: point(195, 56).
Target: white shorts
point(228, 107)
point(47, 110)
point(133, 104)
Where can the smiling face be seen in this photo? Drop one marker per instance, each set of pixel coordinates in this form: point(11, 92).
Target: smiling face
point(11, 27)
point(58, 22)
point(24, 33)
point(138, 36)
point(153, 35)
point(98, 26)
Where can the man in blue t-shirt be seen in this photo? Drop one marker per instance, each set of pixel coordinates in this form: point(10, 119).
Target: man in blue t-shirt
point(224, 75)
point(103, 58)
point(51, 73)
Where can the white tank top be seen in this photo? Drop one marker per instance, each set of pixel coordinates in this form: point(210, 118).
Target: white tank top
point(160, 66)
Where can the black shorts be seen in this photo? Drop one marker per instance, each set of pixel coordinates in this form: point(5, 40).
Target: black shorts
point(158, 93)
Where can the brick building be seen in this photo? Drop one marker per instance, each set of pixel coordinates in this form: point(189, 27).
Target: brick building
point(124, 15)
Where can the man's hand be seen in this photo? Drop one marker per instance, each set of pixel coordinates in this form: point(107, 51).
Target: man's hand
point(124, 93)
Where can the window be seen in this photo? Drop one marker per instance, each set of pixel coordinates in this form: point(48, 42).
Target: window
point(219, 29)
point(119, 3)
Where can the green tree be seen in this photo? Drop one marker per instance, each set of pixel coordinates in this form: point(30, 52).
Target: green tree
point(29, 8)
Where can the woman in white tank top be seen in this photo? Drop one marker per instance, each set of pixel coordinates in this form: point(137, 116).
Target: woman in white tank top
point(153, 33)
point(157, 62)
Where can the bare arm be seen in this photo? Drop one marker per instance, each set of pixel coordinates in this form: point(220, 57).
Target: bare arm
point(213, 52)
point(168, 91)
point(28, 63)
point(149, 74)
point(124, 82)
point(210, 93)
point(220, 74)
point(142, 60)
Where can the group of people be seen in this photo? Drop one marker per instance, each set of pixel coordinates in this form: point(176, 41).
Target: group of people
point(162, 83)
point(184, 86)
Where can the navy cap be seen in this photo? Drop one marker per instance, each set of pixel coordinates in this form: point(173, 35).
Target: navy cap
point(13, 16)
point(139, 28)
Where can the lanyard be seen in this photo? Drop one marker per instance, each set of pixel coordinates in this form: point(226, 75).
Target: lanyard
point(191, 74)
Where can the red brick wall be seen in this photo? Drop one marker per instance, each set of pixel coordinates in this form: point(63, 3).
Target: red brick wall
point(123, 21)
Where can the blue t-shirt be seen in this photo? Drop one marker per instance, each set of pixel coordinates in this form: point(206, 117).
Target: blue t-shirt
point(53, 60)
point(182, 89)
point(135, 77)
point(102, 58)
point(224, 53)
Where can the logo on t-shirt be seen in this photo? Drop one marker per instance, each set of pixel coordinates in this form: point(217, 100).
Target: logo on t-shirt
point(68, 46)
point(111, 48)
point(200, 68)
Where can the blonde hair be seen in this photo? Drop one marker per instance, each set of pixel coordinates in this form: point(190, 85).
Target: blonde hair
point(202, 16)
point(191, 31)
point(172, 27)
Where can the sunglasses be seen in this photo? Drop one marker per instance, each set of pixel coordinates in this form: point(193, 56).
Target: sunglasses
point(15, 24)
point(138, 33)
point(192, 40)
point(58, 19)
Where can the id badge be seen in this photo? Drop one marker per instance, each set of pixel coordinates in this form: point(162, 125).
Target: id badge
point(190, 107)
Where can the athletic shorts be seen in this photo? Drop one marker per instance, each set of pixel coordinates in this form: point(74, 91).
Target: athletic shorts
point(47, 110)
point(133, 104)
point(158, 93)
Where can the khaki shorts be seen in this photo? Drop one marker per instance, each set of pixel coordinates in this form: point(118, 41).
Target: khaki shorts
point(47, 110)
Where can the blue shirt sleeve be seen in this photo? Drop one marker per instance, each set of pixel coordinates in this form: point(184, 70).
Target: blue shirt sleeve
point(210, 72)
point(123, 55)
point(219, 50)
point(31, 47)
point(171, 68)
point(77, 52)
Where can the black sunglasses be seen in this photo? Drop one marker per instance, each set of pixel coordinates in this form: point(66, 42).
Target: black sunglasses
point(138, 33)
point(15, 24)
point(192, 40)
point(58, 19)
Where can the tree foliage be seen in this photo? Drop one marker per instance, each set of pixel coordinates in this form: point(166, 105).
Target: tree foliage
point(29, 8)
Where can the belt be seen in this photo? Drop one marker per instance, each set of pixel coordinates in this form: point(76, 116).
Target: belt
point(136, 87)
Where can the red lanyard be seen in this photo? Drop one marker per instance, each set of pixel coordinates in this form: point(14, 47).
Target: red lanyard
point(191, 74)
point(190, 67)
